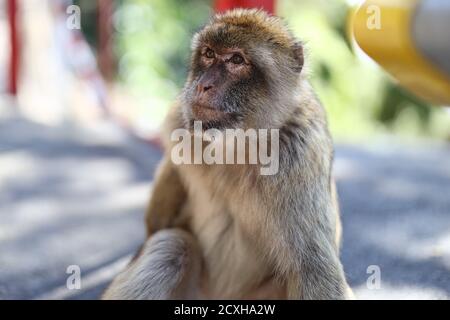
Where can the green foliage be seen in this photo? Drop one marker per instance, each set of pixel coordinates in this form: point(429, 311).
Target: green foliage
point(153, 41)
point(360, 98)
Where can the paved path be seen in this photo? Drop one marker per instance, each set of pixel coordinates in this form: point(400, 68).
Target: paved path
point(80, 201)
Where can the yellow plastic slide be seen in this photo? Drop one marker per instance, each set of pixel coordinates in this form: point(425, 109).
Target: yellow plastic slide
point(410, 39)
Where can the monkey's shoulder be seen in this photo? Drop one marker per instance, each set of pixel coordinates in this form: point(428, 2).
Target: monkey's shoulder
point(305, 138)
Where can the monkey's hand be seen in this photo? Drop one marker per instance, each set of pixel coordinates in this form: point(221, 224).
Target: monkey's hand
point(167, 198)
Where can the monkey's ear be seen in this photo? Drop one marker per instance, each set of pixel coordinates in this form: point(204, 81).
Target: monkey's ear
point(297, 52)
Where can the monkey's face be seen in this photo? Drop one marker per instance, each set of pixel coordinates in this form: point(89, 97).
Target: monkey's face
point(223, 85)
point(242, 62)
point(222, 77)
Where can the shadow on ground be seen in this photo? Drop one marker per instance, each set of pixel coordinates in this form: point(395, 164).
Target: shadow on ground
point(70, 197)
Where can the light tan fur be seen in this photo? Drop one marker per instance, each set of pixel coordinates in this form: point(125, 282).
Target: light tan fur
point(254, 236)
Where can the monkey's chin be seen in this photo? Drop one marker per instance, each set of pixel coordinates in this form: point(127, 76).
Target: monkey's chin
point(206, 114)
point(211, 118)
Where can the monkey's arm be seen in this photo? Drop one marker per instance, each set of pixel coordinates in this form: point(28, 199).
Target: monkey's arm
point(167, 198)
point(306, 251)
point(302, 223)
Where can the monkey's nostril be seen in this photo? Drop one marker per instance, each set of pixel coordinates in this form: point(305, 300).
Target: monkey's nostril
point(202, 89)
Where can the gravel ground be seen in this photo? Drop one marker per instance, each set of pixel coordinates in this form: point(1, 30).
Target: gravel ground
point(80, 201)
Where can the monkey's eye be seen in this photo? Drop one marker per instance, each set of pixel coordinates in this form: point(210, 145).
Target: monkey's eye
point(209, 53)
point(237, 59)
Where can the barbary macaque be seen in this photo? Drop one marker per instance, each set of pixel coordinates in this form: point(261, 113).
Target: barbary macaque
point(226, 231)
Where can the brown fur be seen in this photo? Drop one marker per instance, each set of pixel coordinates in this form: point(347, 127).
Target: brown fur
point(258, 236)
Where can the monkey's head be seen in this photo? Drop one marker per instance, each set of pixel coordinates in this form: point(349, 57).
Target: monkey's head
point(245, 69)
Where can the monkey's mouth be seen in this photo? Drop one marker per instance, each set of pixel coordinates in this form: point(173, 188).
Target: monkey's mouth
point(206, 113)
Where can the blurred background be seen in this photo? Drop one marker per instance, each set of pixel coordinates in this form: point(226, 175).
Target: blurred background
point(79, 143)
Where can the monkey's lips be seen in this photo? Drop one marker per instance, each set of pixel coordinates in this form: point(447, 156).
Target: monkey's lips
point(206, 113)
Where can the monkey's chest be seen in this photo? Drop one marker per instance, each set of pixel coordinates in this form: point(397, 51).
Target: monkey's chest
point(234, 267)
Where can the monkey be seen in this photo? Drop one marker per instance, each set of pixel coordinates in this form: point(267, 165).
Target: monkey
point(227, 231)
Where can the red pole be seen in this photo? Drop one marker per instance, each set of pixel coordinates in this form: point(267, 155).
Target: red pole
point(12, 7)
point(105, 38)
point(223, 5)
